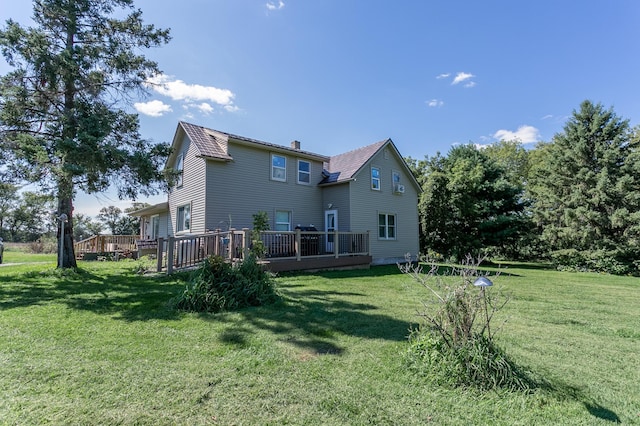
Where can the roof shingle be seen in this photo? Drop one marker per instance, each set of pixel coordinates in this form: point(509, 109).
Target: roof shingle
point(345, 166)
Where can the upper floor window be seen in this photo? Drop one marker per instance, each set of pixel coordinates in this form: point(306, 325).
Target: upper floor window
point(395, 177)
point(283, 220)
point(183, 218)
point(179, 169)
point(375, 178)
point(386, 226)
point(278, 167)
point(304, 172)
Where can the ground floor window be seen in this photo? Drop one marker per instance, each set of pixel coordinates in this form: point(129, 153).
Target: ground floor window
point(283, 220)
point(155, 227)
point(386, 226)
point(183, 218)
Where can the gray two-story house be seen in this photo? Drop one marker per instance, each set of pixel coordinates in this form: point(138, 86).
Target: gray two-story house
point(226, 179)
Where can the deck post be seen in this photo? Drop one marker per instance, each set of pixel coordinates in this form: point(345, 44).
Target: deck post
point(159, 251)
point(336, 243)
point(232, 243)
point(170, 244)
point(368, 243)
point(298, 244)
point(247, 242)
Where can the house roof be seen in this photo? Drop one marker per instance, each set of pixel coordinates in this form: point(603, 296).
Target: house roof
point(208, 144)
point(151, 210)
point(213, 143)
point(344, 167)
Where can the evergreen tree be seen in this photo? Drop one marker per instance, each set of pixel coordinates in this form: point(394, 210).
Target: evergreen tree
point(61, 117)
point(586, 186)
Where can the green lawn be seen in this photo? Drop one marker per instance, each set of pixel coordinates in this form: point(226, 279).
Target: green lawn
point(19, 253)
point(102, 346)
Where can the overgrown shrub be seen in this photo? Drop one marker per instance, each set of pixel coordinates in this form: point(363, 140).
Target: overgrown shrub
point(454, 345)
point(44, 245)
point(220, 286)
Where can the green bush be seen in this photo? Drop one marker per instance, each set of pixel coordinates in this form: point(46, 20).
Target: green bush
point(617, 262)
point(218, 286)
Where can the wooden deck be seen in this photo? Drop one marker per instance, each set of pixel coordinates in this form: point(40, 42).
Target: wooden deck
point(284, 251)
point(325, 263)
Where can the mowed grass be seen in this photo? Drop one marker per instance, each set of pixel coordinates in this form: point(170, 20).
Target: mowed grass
point(103, 346)
point(19, 253)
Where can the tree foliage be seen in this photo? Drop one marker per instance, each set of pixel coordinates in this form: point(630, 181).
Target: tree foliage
point(468, 204)
point(62, 120)
point(586, 187)
point(24, 216)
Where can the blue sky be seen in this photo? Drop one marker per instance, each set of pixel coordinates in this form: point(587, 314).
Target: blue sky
point(340, 74)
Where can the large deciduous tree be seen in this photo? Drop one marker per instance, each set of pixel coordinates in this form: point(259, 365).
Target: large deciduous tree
point(63, 118)
point(586, 186)
point(468, 204)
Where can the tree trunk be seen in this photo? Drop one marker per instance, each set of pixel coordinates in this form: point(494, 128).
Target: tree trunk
point(66, 252)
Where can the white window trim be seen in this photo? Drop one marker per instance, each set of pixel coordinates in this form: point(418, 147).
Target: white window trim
point(308, 173)
point(185, 230)
point(386, 226)
point(275, 218)
point(395, 173)
point(280, 168)
point(374, 179)
point(154, 218)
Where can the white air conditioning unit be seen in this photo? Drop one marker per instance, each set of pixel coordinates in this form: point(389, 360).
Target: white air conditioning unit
point(398, 189)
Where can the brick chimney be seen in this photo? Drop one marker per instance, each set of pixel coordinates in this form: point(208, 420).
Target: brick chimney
point(295, 145)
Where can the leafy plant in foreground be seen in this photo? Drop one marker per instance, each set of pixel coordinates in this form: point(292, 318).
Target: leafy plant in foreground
point(218, 286)
point(454, 345)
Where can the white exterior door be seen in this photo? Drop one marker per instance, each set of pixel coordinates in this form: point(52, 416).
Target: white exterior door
point(330, 226)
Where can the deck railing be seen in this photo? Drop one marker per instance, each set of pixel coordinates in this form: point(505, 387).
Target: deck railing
point(106, 244)
point(175, 253)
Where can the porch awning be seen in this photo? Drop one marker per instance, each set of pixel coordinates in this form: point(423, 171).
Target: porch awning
point(151, 210)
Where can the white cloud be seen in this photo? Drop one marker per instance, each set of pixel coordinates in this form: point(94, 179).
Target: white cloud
point(433, 103)
point(546, 117)
point(470, 84)
point(205, 108)
point(463, 76)
point(443, 75)
point(273, 6)
point(525, 134)
point(152, 108)
point(178, 90)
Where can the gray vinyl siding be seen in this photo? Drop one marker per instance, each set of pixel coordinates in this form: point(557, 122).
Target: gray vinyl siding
point(238, 189)
point(192, 190)
point(338, 196)
point(366, 204)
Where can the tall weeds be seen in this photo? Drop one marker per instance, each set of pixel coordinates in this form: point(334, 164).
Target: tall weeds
point(454, 345)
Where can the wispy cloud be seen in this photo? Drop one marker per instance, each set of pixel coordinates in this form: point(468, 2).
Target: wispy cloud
point(275, 6)
point(152, 108)
point(190, 94)
point(463, 76)
point(435, 103)
point(525, 134)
